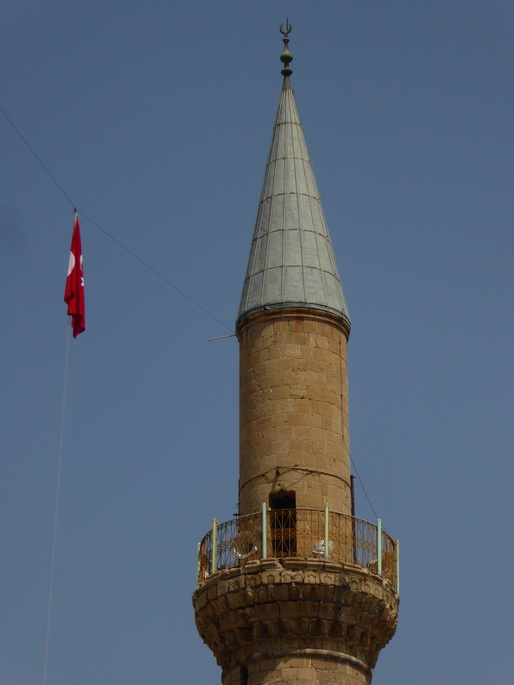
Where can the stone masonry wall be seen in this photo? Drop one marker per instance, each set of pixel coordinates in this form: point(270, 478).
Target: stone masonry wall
point(317, 670)
point(293, 622)
point(294, 409)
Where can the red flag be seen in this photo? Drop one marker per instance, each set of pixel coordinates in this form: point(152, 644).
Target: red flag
point(74, 291)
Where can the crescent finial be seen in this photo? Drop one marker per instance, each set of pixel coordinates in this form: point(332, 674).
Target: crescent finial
point(287, 30)
point(286, 57)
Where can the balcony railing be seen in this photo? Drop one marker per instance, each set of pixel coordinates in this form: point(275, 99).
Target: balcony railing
point(299, 533)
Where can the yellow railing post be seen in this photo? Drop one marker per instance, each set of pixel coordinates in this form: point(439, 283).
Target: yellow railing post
point(264, 540)
point(397, 566)
point(326, 532)
point(214, 560)
point(379, 547)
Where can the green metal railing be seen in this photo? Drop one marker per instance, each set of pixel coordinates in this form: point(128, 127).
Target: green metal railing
point(299, 533)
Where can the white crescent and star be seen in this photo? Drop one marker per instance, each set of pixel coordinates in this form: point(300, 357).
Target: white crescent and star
point(71, 264)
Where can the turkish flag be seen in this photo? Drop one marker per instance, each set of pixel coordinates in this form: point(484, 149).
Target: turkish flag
point(74, 291)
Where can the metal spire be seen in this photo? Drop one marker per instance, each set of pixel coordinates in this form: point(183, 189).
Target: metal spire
point(286, 57)
point(291, 262)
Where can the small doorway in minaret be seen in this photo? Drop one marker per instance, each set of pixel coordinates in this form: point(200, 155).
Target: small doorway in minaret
point(283, 523)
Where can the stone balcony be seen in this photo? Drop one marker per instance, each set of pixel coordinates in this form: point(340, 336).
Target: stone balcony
point(316, 534)
point(303, 590)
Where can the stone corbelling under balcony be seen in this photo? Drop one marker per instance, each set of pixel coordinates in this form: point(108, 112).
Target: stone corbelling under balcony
point(270, 608)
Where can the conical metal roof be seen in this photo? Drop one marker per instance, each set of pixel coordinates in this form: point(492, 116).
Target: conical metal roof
point(291, 262)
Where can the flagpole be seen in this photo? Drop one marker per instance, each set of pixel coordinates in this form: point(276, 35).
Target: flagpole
point(56, 504)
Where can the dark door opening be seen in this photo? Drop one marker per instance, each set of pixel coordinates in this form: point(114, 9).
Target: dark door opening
point(283, 523)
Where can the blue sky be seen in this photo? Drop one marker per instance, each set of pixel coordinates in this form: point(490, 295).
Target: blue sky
point(155, 119)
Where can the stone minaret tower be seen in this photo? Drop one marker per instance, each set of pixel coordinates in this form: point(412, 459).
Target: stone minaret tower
point(295, 590)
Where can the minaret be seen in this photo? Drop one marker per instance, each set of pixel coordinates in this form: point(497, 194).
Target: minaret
point(295, 589)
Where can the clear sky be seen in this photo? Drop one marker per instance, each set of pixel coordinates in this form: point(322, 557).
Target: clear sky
point(155, 119)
